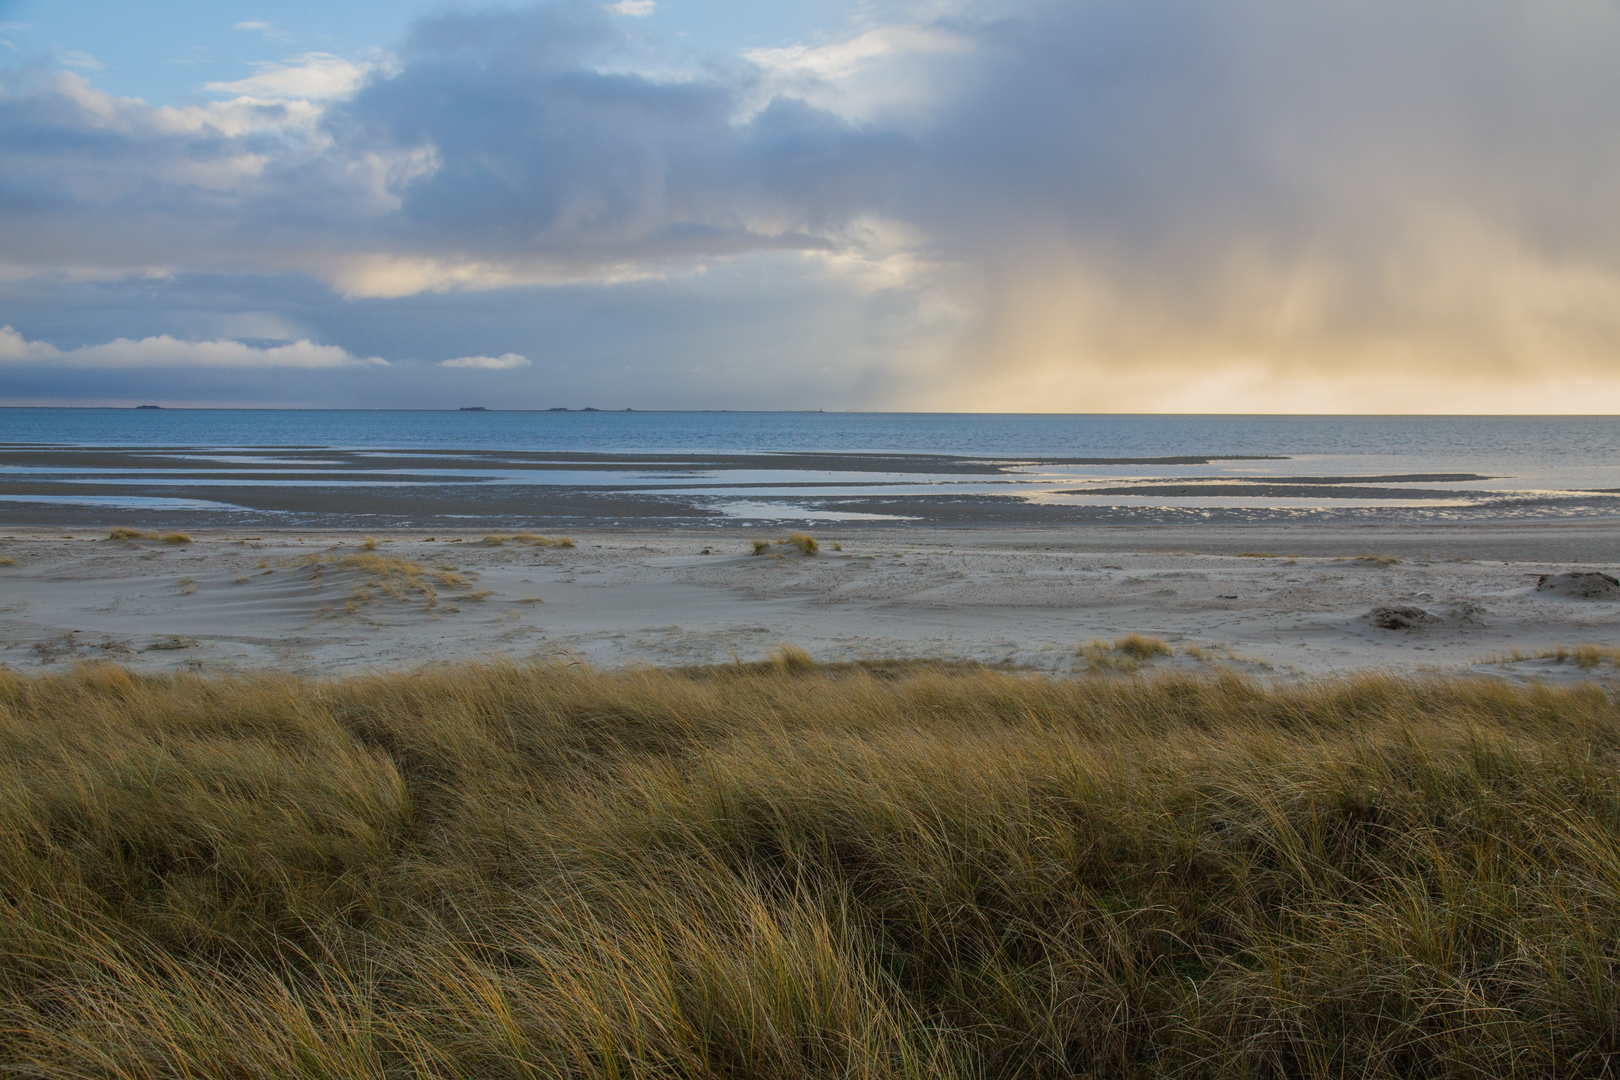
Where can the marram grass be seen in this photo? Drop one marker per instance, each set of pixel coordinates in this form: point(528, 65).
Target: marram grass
point(794, 871)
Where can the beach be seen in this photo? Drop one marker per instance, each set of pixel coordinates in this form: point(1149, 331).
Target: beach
point(1272, 601)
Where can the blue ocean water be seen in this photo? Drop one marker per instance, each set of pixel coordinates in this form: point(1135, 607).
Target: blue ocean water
point(665, 467)
point(1504, 442)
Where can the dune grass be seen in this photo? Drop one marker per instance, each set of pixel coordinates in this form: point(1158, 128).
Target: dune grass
point(803, 543)
point(376, 578)
point(1584, 656)
point(789, 870)
point(131, 535)
point(533, 540)
point(1127, 653)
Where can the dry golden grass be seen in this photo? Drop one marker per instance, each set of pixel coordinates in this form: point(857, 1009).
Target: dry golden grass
point(1378, 560)
point(375, 577)
point(1584, 656)
point(130, 535)
point(1126, 653)
point(773, 871)
point(7, 560)
point(804, 543)
point(496, 540)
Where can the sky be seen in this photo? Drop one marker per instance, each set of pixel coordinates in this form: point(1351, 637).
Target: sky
point(1313, 206)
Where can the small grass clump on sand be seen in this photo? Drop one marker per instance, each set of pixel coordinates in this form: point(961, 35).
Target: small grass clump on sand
point(1378, 560)
point(131, 535)
point(7, 560)
point(496, 540)
point(380, 577)
point(1584, 656)
point(758, 871)
point(1123, 653)
point(803, 543)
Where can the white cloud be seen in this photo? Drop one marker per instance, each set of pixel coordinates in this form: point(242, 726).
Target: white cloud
point(638, 9)
point(164, 351)
point(488, 363)
point(842, 59)
point(81, 60)
point(268, 30)
point(888, 70)
point(314, 76)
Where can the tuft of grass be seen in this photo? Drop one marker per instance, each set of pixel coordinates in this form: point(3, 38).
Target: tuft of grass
point(766, 871)
point(187, 585)
point(1256, 555)
point(1584, 656)
point(368, 544)
point(1138, 647)
point(496, 540)
point(804, 543)
point(1378, 560)
point(792, 658)
point(1126, 653)
point(130, 535)
point(7, 560)
point(376, 577)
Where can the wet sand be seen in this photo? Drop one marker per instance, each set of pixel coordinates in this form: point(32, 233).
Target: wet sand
point(1271, 600)
point(322, 488)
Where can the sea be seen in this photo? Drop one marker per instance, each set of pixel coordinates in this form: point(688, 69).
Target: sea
point(573, 469)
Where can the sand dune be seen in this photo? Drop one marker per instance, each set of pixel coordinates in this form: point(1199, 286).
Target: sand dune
point(1288, 602)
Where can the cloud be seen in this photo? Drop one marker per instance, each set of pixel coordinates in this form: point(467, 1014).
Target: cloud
point(1073, 204)
point(504, 362)
point(314, 76)
point(638, 9)
point(163, 351)
point(1348, 193)
point(268, 30)
point(81, 60)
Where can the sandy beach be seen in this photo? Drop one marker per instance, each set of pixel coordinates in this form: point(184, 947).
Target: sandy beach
point(1285, 602)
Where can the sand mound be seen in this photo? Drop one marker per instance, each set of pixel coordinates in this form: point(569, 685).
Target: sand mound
point(1580, 585)
point(1416, 618)
point(1402, 618)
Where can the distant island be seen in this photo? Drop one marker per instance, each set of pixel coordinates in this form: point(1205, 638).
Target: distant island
point(149, 406)
point(472, 408)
